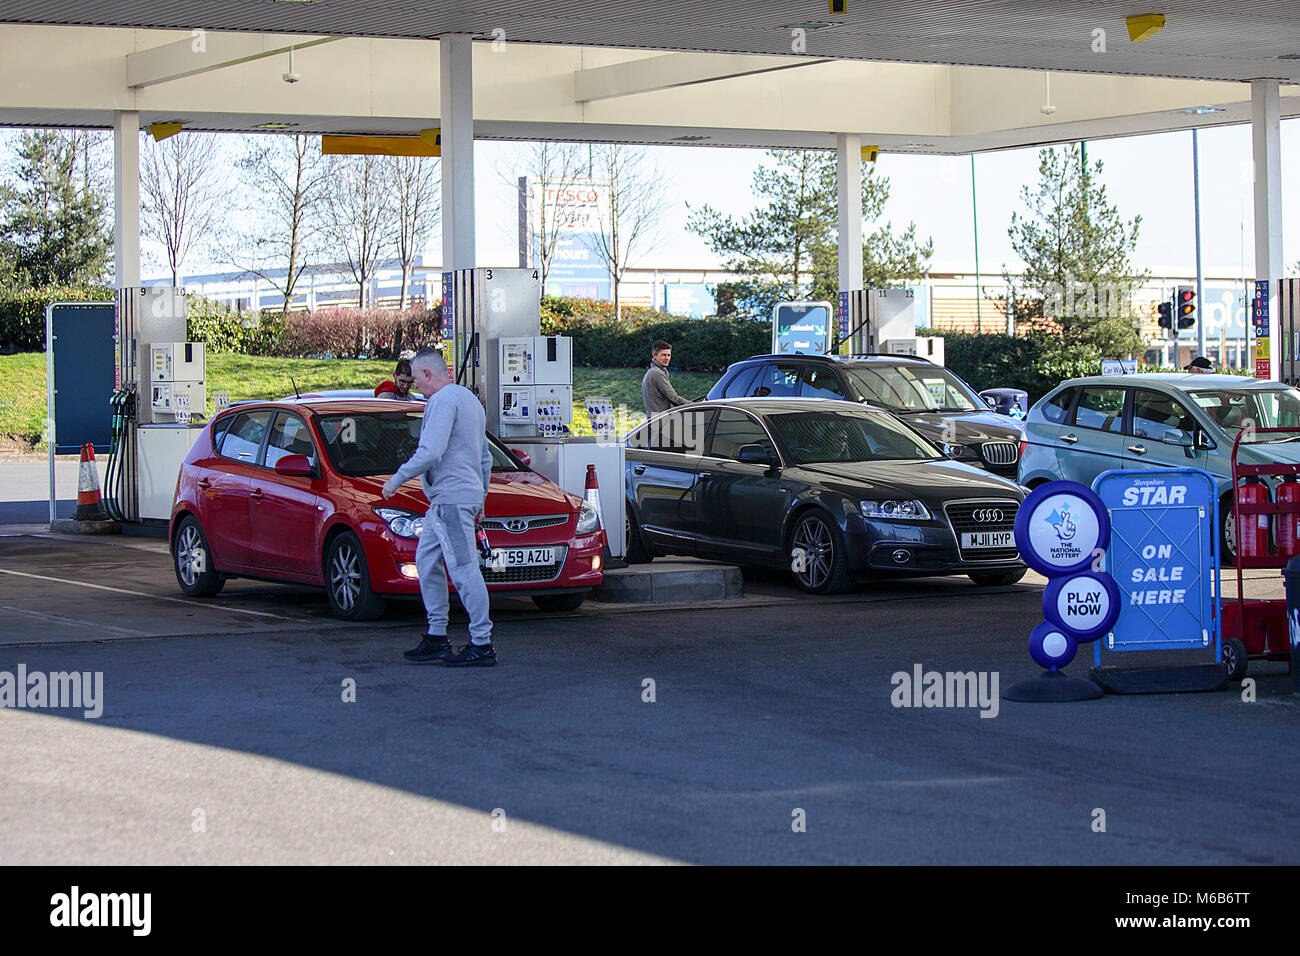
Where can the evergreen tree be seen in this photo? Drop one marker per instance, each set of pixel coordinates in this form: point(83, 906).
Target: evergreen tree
point(52, 231)
point(1078, 252)
point(787, 249)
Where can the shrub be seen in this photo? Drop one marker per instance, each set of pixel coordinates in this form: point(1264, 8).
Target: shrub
point(222, 330)
point(360, 333)
point(698, 344)
point(22, 313)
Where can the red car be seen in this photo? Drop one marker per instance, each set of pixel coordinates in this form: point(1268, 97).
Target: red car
point(290, 491)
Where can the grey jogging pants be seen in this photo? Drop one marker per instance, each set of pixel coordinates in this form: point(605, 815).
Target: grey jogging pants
point(447, 549)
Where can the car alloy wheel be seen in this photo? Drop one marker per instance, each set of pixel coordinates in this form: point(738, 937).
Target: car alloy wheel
point(347, 581)
point(345, 576)
point(190, 555)
point(193, 561)
point(817, 560)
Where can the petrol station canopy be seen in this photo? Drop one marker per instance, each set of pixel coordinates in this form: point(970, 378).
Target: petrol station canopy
point(950, 76)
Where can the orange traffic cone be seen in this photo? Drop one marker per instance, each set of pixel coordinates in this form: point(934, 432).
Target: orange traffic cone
point(592, 495)
point(592, 492)
point(90, 503)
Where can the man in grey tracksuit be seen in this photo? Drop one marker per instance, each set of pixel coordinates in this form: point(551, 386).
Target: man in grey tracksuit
point(454, 464)
point(657, 393)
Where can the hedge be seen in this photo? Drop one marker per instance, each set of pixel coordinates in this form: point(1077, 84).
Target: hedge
point(22, 313)
point(699, 345)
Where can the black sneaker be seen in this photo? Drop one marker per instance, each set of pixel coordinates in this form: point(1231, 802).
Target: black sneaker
point(472, 655)
point(431, 650)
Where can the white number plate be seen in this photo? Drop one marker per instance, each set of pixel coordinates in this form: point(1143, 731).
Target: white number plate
point(522, 557)
point(973, 541)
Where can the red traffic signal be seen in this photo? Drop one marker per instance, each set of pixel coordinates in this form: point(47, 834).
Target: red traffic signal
point(1185, 298)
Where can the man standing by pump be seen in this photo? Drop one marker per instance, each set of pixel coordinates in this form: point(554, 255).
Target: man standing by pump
point(454, 464)
point(657, 393)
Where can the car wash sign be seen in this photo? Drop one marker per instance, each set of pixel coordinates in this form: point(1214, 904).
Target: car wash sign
point(1163, 555)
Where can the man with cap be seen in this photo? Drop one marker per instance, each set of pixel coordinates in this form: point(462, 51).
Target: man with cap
point(1199, 366)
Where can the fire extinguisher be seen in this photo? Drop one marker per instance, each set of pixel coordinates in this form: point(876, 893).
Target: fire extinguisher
point(1252, 535)
point(1287, 534)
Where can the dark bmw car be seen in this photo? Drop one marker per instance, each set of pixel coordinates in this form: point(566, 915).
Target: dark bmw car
point(834, 492)
point(928, 397)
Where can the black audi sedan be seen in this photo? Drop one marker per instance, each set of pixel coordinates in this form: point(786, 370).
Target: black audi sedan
point(927, 396)
point(835, 492)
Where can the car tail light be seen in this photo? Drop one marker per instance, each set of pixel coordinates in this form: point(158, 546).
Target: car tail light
point(1024, 443)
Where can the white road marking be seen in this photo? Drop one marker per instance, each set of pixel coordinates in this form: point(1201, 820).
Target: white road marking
point(145, 594)
point(74, 622)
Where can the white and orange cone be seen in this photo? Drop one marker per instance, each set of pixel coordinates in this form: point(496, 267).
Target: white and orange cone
point(592, 491)
point(90, 502)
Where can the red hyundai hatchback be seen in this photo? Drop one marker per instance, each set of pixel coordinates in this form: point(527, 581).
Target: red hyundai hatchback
point(290, 491)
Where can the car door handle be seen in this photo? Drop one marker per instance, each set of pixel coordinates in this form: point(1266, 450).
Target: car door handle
point(256, 494)
point(1070, 438)
point(1137, 449)
point(638, 469)
point(205, 483)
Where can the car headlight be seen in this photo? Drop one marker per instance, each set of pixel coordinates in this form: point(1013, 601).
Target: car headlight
point(404, 524)
point(895, 510)
point(962, 452)
point(588, 519)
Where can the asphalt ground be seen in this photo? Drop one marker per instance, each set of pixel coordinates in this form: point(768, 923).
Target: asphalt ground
point(225, 736)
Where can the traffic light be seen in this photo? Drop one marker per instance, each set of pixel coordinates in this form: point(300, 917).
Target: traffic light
point(1166, 310)
point(1185, 306)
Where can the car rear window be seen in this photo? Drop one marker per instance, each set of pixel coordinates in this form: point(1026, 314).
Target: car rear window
point(1058, 406)
point(243, 439)
point(739, 384)
point(1100, 407)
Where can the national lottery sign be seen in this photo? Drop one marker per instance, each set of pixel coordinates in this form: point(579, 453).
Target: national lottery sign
point(1061, 528)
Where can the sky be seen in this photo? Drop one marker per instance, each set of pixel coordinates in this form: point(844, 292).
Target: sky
point(1148, 175)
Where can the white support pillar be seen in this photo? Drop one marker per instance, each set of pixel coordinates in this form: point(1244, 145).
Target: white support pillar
point(456, 63)
point(1266, 137)
point(126, 198)
point(849, 181)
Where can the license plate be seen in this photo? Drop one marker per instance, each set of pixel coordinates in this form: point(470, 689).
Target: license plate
point(522, 557)
point(973, 541)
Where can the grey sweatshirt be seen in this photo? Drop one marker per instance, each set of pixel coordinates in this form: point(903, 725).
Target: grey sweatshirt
point(657, 393)
point(453, 459)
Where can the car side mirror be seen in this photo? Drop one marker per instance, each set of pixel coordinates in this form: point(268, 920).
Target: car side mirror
point(754, 455)
point(1176, 436)
point(294, 466)
point(522, 455)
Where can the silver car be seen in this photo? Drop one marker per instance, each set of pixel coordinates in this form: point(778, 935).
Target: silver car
point(1086, 426)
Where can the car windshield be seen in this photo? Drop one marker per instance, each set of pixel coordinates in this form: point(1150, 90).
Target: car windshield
point(362, 444)
point(1236, 408)
point(912, 388)
point(849, 436)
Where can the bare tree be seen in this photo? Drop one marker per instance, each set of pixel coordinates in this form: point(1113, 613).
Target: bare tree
point(415, 188)
point(359, 216)
point(551, 169)
point(634, 206)
point(181, 184)
point(283, 179)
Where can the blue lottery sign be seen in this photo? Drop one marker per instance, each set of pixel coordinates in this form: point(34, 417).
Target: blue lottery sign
point(1061, 528)
point(1084, 605)
point(1164, 555)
